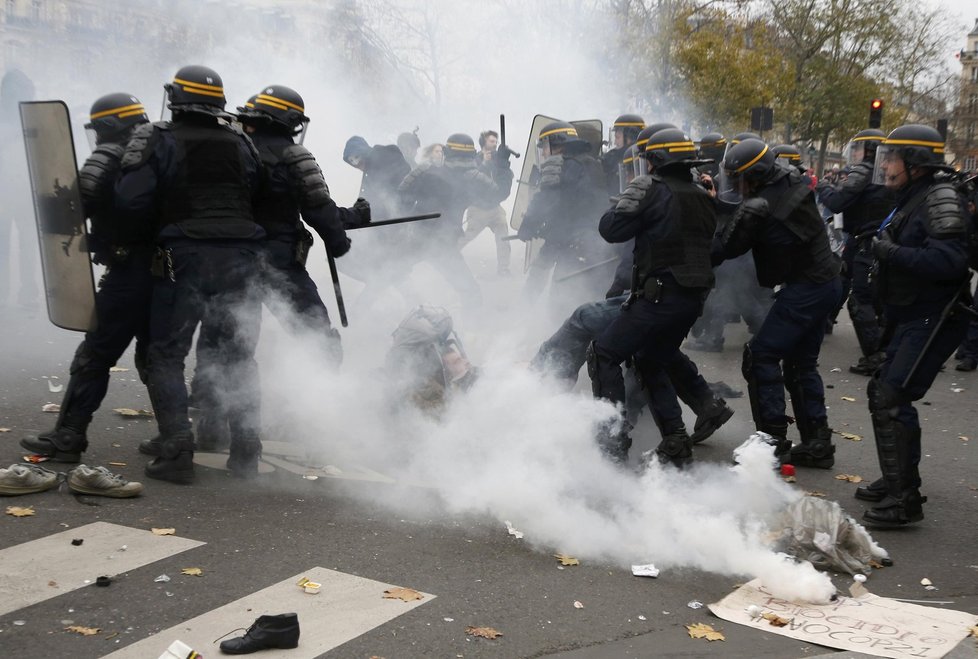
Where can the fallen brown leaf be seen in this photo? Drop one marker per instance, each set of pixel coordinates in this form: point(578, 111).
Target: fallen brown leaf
point(192, 571)
point(852, 478)
point(403, 594)
point(850, 436)
point(53, 584)
point(875, 564)
point(117, 464)
point(776, 620)
point(974, 631)
point(51, 407)
point(849, 399)
point(483, 632)
point(17, 511)
point(789, 479)
point(163, 531)
point(566, 560)
point(125, 411)
point(963, 438)
point(702, 630)
point(815, 494)
point(4, 429)
point(84, 631)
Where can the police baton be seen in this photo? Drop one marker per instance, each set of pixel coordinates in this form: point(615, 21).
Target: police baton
point(396, 220)
point(502, 136)
point(335, 276)
point(589, 268)
point(956, 302)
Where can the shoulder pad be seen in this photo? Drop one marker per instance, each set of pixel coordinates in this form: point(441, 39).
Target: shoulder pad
point(413, 176)
point(945, 216)
point(550, 171)
point(307, 178)
point(98, 173)
point(859, 176)
point(141, 142)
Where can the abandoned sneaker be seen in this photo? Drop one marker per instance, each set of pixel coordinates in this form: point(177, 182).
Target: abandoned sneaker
point(20, 479)
point(101, 482)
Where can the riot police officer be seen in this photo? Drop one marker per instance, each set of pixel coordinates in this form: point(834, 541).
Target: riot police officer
point(922, 253)
point(779, 222)
point(863, 205)
point(672, 221)
point(624, 133)
point(450, 189)
point(124, 245)
point(564, 212)
point(201, 174)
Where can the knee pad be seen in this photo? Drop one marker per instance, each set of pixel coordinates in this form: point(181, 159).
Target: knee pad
point(883, 399)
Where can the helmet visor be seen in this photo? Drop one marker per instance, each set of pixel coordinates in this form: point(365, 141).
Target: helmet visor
point(889, 167)
point(92, 136)
point(730, 189)
point(854, 153)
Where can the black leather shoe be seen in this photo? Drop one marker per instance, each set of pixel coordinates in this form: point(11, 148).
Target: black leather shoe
point(267, 632)
point(60, 445)
point(966, 364)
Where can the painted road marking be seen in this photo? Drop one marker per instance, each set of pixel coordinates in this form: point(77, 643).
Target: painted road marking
point(346, 607)
point(27, 570)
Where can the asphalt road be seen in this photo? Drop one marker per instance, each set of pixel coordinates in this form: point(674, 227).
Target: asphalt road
point(262, 532)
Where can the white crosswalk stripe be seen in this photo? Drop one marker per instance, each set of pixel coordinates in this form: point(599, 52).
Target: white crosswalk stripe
point(38, 570)
point(346, 607)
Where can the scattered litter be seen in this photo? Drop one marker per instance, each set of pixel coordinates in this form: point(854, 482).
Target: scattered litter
point(4, 429)
point(55, 388)
point(162, 579)
point(118, 369)
point(641, 617)
point(512, 530)
point(54, 584)
point(852, 478)
point(849, 399)
point(123, 547)
point(403, 594)
point(125, 411)
point(926, 582)
point(957, 390)
point(578, 605)
point(963, 438)
point(20, 623)
point(50, 407)
point(18, 511)
point(694, 604)
point(835, 370)
point(311, 477)
point(974, 631)
point(702, 630)
point(861, 578)
point(649, 570)
point(815, 493)
point(754, 611)
point(84, 631)
point(308, 586)
point(192, 571)
point(566, 560)
point(35, 459)
point(163, 531)
point(849, 435)
point(103, 581)
point(77, 542)
point(483, 632)
point(776, 620)
point(449, 619)
point(930, 587)
point(117, 464)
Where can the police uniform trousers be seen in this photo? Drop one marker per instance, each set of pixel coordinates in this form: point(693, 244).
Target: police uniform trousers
point(212, 283)
point(790, 337)
point(862, 302)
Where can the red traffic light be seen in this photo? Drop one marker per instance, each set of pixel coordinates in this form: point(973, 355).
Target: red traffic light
point(876, 103)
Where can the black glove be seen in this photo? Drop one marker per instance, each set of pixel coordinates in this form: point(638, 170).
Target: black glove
point(884, 248)
point(338, 249)
point(501, 156)
point(362, 209)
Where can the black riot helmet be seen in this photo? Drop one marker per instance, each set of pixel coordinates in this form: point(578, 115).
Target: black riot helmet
point(276, 106)
point(747, 165)
point(196, 88)
point(642, 139)
point(916, 145)
point(669, 146)
point(787, 153)
point(553, 137)
point(712, 146)
point(112, 117)
point(628, 126)
point(459, 146)
point(862, 147)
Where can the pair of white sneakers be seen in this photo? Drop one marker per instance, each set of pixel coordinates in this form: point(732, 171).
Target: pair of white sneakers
point(18, 479)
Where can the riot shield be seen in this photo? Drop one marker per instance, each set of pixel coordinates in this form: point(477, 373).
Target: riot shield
point(68, 282)
point(529, 180)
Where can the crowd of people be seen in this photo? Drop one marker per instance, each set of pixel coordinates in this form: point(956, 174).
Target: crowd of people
point(201, 219)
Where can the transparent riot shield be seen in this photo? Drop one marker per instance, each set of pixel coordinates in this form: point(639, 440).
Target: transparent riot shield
point(529, 179)
point(65, 262)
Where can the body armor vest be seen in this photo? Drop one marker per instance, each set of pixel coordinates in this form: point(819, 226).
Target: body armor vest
point(277, 212)
point(685, 249)
point(210, 188)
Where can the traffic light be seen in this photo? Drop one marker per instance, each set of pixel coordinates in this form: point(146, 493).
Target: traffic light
point(876, 113)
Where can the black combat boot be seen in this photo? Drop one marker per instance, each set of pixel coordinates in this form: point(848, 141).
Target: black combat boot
point(778, 438)
point(212, 431)
point(709, 418)
point(267, 632)
point(901, 503)
point(65, 443)
point(176, 460)
point(243, 459)
point(868, 365)
point(152, 446)
point(676, 449)
point(816, 448)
